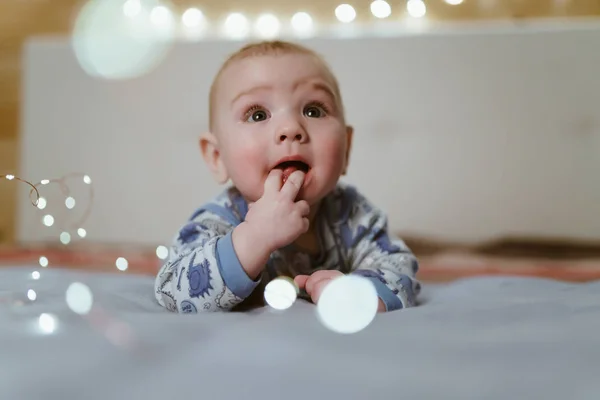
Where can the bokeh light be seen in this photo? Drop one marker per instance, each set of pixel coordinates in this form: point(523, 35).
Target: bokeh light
point(236, 26)
point(79, 298)
point(116, 40)
point(345, 13)
point(162, 252)
point(267, 26)
point(43, 261)
point(348, 304)
point(47, 323)
point(281, 293)
point(122, 264)
point(381, 9)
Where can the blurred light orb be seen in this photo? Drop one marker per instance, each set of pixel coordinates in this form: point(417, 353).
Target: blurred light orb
point(416, 8)
point(302, 22)
point(381, 9)
point(116, 40)
point(236, 26)
point(79, 298)
point(48, 220)
point(162, 252)
point(35, 275)
point(348, 304)
point(65, 238)
point(131, 8)
point(43, 261)
point(192, 17)
point(42, 203)
point(31, 295)
point(70, 203)
point(122, 264)
point(345, 13)
point(81, 232)
point(280, 293)
point(47, 323)
point(267, 26)
point(193, 24)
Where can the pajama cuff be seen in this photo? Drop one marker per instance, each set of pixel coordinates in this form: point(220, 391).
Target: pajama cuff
point(232, 272)
point(391, 301)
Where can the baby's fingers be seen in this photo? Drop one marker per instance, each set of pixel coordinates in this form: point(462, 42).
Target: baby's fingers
point(300, 281)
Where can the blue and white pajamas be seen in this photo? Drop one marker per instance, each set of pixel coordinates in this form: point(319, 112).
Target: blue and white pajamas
point(203, 273)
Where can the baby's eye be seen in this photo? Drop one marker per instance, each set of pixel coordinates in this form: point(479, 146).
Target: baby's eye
point(315, 111)
point(256, 114)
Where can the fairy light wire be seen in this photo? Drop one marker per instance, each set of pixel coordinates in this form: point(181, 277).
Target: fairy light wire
point(34, 189)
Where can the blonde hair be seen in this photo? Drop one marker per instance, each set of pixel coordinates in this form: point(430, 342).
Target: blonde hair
point(267, 48)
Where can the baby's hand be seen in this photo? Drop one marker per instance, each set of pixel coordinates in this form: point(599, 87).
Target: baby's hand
point(315, 283)
point(277, 219)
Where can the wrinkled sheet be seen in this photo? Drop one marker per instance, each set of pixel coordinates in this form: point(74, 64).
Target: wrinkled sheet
point(479, 338)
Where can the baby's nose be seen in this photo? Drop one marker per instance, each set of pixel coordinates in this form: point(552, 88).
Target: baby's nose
point(294, 136)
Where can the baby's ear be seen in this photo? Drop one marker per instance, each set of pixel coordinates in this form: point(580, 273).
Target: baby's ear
point(349, 134)
point(209, 146)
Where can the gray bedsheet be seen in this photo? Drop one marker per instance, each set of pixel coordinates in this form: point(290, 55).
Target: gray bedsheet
point(482, 338)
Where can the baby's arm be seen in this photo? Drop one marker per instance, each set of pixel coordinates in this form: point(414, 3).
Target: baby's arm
point(203, 271)
point(388, 263)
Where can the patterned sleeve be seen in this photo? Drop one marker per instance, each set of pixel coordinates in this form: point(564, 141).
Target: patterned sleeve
point(386, 261)
point(202, 272)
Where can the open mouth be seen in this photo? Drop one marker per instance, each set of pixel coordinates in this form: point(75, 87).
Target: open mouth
point(288, 167)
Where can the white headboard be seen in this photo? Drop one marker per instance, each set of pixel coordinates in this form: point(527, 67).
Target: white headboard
point(462, 136)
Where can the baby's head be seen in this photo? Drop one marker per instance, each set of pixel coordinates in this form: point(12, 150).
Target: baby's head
point(273, 101)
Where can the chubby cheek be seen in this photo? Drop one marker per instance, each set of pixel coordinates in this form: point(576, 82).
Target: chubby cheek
point(244, 165)
point(331, 153)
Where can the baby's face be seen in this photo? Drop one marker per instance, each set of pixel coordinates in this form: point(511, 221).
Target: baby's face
point(272, 108)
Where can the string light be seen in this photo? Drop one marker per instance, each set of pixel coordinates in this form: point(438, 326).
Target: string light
point(79, 298)
point(416, 8)
point(10, 177)
point(122, 264)
point(267, 26)
point(236, 26)
point(160, 15)
point(381, 9)
point(70, 203)
point(43, 261)
point(192, 18)
point(162, 252)
point(48, 220)
point(31, 295)
point(302, 22)
point(454, 2)
point(42, 203)
point(281, 293)
point(131, 8)
point(345, 13)
point(65, 238)
point(138, 33)
point(35, 275)
point(47, 323)
point(348, 304)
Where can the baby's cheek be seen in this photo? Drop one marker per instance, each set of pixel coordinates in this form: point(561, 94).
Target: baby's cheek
point(332, 154)
point(246, 171)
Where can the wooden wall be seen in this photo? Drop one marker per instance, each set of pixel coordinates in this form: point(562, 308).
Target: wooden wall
point(21, 19)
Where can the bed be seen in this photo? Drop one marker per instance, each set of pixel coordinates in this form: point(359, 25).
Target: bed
point(475, 338)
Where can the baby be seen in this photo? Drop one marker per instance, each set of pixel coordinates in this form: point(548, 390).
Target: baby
point(277, 130)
